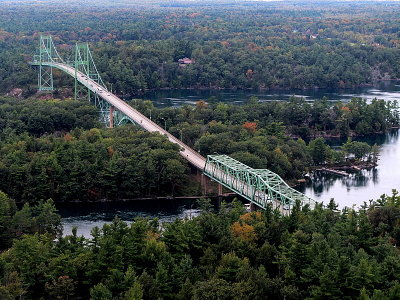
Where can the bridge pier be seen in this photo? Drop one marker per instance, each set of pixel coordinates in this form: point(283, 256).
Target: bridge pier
point(203, 185)
point(219, 189)
point(253, 207)
point(112, 109)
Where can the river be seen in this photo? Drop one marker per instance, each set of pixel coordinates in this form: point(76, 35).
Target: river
point(362, 185)
point(85, 216)
point(347, 191)
point(387, 90)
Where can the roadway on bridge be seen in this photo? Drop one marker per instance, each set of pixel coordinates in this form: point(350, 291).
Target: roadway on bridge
point(188, 153)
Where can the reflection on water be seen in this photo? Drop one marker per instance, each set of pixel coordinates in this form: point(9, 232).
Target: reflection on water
point(362, 186)
point(323, 182)
point(388, 90)
point(85, 216)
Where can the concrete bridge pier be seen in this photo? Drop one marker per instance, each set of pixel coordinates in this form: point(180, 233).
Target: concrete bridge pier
point(253, 207)
point(203, 185)
point(112, 109)
point(219, 189)
point(208, 186)
point(219, 194)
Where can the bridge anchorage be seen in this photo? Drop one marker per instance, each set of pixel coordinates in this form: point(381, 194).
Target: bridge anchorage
point(262, 188)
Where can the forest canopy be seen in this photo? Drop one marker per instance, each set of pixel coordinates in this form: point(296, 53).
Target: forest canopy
point(223, 254)
point(56, 150)
point(254, 45)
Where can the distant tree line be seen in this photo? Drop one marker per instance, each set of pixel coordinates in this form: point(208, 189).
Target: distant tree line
point(295, 118)
point(259, 46)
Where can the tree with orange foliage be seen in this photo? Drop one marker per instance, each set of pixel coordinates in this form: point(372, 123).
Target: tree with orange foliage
point(345, 108)
point(201, 104)
point(249, 74)
point(110, 151)
point(250, 126)
point(68, 137)
point(251, 217)
point(243, 231)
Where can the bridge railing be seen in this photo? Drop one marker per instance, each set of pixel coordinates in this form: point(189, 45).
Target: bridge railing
point(260, 186)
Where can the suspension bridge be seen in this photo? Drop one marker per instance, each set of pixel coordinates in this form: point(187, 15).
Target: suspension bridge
point(261, 187)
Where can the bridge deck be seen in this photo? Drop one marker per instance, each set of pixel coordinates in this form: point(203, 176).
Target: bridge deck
point(188, 153)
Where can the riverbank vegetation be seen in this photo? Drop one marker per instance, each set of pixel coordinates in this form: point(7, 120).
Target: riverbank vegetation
point(294, 118)
point(272, 134)
point(123, 163)
point(49, 148)
point(260, 45)
point(227, 254)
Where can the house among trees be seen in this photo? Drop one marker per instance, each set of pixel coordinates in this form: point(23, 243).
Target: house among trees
point(185, 61)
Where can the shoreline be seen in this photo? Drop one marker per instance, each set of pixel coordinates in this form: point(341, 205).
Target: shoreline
point(352, 134)
point(274, 88)
point(158, 198)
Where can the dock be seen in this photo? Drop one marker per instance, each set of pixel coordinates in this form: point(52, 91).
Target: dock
point(337, 172)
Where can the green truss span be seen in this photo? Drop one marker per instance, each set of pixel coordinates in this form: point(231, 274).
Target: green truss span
point(260, 186)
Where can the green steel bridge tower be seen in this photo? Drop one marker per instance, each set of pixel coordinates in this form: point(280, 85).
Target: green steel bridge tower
point(83, 64)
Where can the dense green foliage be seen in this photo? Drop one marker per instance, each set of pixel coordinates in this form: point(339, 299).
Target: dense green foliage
point(47, 149)
point(236, 46)
point(253, 45)
point(229, 254)
point(14, 223)
point(88, 165)
point(295, 117)
point(52, 149)
point(48, 116)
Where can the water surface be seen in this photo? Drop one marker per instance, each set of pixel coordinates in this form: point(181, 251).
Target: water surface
point(85, 216)
point(362, 185)
point(388, 90)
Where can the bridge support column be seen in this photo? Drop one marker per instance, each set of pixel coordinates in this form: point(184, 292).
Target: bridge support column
point(219, 194)
point(203, 185)
point(112, 109)
point(253, 207)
